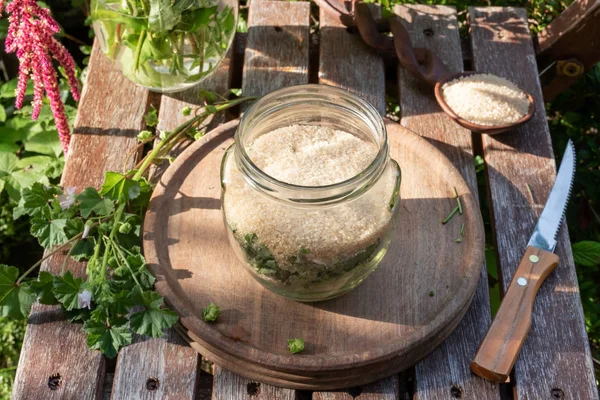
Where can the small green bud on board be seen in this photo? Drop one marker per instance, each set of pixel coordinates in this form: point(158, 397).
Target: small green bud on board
point(185, 111)
point(296, 345)
point(144, 135)
point(211, 313)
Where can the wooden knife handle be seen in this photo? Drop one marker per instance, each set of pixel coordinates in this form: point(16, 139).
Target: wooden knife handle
point(501, 346)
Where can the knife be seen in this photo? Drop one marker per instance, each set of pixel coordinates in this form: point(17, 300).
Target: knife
point(500, 347)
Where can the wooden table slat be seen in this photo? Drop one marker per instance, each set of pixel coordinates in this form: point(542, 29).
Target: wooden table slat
point(555, 359)
point(385, 389)
point(169, 361)
point(346, 61)
point(447, 368)
point(53, 345)
point(276, 56)
point(233, 387)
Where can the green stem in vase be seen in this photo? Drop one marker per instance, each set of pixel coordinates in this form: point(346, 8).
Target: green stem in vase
point(138, 50)
point(180, 52)
point(199, 48)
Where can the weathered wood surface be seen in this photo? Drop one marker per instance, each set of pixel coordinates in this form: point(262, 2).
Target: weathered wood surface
point(574, 34)
point(385, 389)
point(165, 368)
point(276, 56)
point(367, 334)
point(447, 368)
point(230, 386)
point(555, 359)
point(52, 345)
point(276, 53)
point(346, 61)
point(169, 360)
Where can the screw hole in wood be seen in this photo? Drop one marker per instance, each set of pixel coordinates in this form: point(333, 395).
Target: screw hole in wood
point(355, 391)
point(253, 388)
point(456, 392)
point(152, 384)
point(278, 28)
point(54, 381)
point(557, 394)
point(428, 32)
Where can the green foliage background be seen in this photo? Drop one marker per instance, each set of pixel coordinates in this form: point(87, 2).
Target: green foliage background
point(574, 114)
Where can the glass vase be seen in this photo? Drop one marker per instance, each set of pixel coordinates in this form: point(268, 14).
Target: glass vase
point(165, 45)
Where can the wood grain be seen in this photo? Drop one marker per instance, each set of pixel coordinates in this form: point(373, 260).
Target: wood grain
point(170, 360)
point(521, 171)
point(385, 389)
point(234, 387)
point(105, 136)
point(447, 368)
point(501, 345)
point(276, 56)
point(351, 340)
point(276, 53)
point(346, 61)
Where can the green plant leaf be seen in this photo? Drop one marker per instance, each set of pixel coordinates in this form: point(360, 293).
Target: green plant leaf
point(161, 18)
point(8, 163)
point(149, 299)
point(145, 278)
point(49, 232)
point(91, 201)
point(586, 253)
point(119, 188)
point(66, 290)
point(138, 264)
point(46, 142)
point(151, 117)
point(107, 339)
point(34, 199)
point(7, 90)
point(153, 321)
point(84, 249)
point(43, 287)
point(193, 20)
point(15, 301)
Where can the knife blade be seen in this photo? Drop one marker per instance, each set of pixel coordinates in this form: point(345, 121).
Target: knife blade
point(501, 346)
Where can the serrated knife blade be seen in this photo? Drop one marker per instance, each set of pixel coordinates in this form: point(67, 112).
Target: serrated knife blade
point(545, 232)
point(502, 343)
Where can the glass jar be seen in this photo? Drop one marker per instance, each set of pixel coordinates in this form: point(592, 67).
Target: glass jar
point(310, 243)
point(165, 45)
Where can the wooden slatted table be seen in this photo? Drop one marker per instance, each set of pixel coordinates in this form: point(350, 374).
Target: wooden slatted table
point(279, 51)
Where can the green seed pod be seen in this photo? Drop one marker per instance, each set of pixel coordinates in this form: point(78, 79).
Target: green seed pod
point(125, 228)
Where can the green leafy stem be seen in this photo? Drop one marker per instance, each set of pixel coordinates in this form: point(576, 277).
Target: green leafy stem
point(103, 228)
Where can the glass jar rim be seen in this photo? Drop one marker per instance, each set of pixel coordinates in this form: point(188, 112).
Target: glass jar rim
point(345, 189)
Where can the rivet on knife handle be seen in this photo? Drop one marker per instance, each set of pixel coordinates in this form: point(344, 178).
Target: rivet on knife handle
point(500, 348)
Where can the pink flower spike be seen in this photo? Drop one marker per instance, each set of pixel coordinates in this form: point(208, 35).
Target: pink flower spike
point(30, 35)
point(21, 86)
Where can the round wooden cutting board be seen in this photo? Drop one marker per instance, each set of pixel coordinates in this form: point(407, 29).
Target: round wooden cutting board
point(401, 312)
